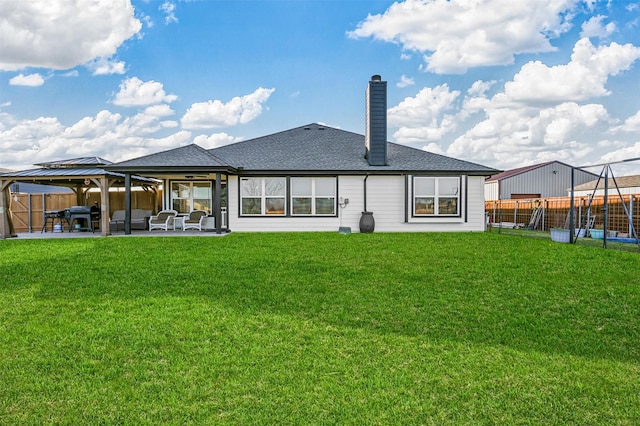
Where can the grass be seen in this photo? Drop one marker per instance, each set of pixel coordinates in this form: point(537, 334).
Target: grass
point(318, 329)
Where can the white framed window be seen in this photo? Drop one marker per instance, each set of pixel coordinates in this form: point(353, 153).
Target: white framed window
point(313, 196)
point(436, 196)
point(191, 195)
point(263, 196)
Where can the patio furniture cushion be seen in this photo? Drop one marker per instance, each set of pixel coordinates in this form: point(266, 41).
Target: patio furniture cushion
point(194, 220)
point(139, 219)
point(163, 220)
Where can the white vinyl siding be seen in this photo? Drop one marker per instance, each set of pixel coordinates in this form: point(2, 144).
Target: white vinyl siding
point(385, 198)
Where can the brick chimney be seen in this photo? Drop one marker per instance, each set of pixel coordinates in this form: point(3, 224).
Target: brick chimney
point(375, 136)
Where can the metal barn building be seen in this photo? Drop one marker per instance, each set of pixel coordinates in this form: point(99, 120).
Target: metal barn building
point(544, 180)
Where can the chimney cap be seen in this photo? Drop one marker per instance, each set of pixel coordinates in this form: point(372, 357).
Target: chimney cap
point(376, 77)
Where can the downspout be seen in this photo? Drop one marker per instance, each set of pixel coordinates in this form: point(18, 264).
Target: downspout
point(365, 192)
point(406, 198)
point(367, 223)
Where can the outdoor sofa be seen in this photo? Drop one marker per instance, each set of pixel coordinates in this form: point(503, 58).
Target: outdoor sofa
point(139, 219)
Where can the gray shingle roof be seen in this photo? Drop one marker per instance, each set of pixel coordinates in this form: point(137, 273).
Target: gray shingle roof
point(315, 147)
point(311, 148)
point(185, 157)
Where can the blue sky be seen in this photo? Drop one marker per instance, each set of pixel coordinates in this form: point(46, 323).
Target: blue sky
point(498, 82)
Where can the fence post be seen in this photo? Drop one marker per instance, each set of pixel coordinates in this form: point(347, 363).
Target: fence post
point(29, 213)
point(630, 225)
point(494, 212)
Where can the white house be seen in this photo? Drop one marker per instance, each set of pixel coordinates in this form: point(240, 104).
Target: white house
point(319, 178)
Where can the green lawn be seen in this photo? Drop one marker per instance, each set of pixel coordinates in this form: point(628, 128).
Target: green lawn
point(303, 329)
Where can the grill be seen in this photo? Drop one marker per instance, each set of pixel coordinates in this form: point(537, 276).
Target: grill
point(81, 215)
point(53, 216)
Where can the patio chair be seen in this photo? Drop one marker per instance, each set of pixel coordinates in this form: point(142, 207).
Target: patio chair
point(194, 220)
point(163, 220)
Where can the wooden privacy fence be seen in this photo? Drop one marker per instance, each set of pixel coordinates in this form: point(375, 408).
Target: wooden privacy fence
point(542, 214)
point(27, 210)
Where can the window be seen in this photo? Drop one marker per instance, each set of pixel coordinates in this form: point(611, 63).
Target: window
point(189, 196)
point(436, 196)
point(313, 196)
point(262, 196)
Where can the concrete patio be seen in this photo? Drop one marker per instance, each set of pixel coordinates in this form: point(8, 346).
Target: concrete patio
point(134, 233)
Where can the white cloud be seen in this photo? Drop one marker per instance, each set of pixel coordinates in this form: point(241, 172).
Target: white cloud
point(405, 81)
point(214, 114)
point(479, 88)
point(105, 66)
point(215, 140)
point(72, 73)
point(434, 148)
point(107, 134)
point(423, 118)
point(476, 99)
point(457, 35)
point(632, 124)
point(516, 136)
point(111, 135)
point(583, 78)
point(595, 28)
point(544, 113)
point(148, 21)
point(169, 9)
point(162, 110)
point(32, 80)
point(135, 92)
point(60, 34)
point(624, 153)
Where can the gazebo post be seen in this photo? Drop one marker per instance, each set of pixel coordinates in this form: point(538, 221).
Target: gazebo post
point(6, 230)
point(103, 185)
point(80, 198)
point(217, 203)
point(127, 203)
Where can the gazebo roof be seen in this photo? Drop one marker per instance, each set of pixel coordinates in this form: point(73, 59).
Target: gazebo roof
point(76, 162)
point(72, 172)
